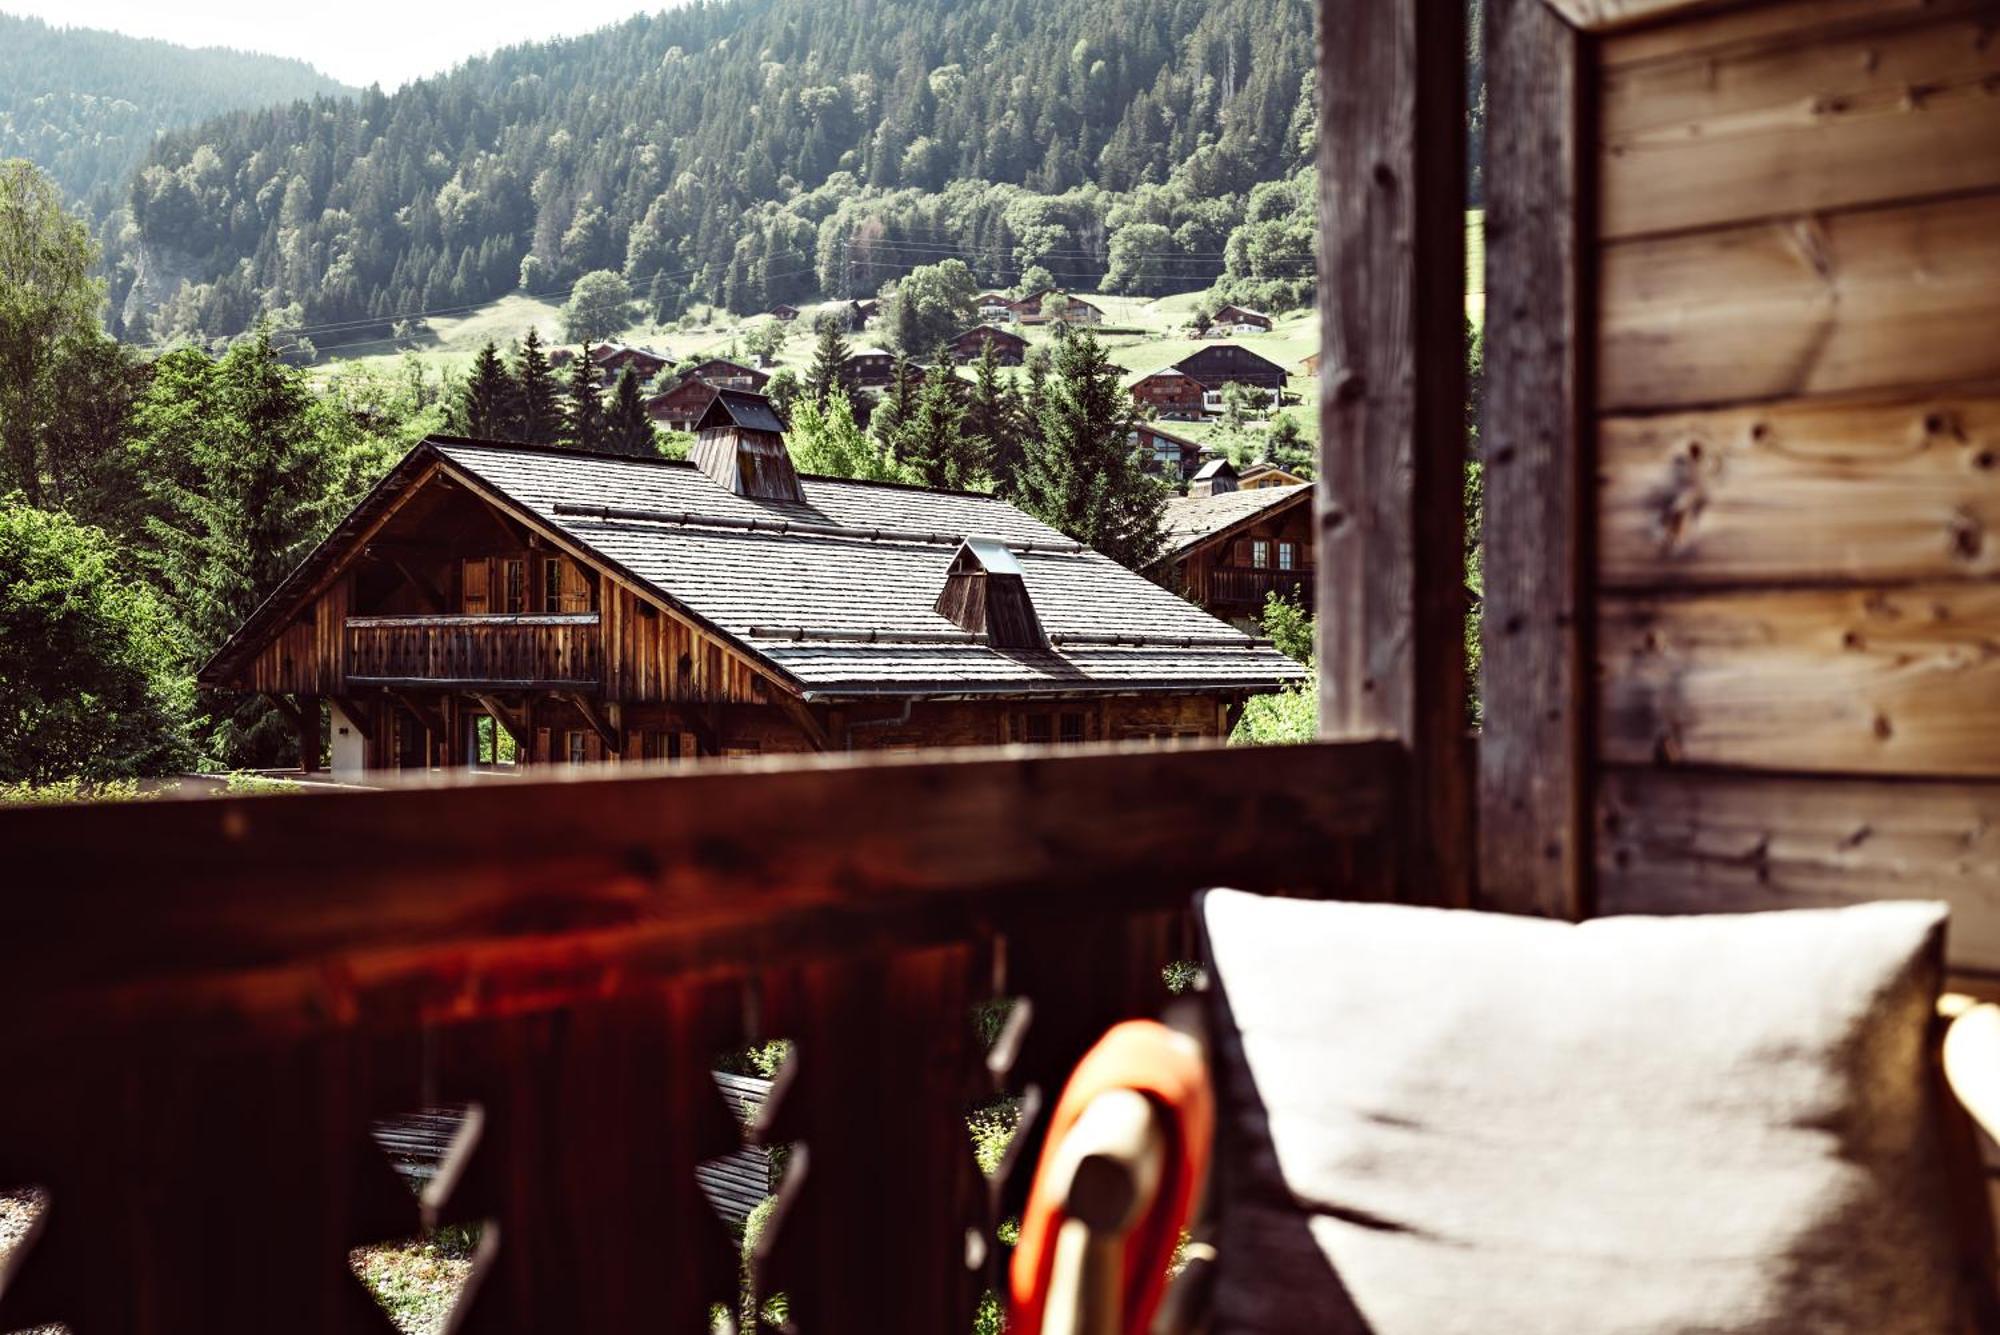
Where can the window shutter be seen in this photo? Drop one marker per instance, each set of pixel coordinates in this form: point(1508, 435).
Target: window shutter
point(575, 591)
point(473, 583)
point(1240, 552)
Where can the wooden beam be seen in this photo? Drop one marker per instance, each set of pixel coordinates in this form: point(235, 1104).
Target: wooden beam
point(361, 712)
point(307, 721)
point(1534, 665)
point(426, 590)
point(606, 731)
point(1390, 500)
point(522, 734)
point(1606, 15)
point(429, 718)
point(802, 716)
point(483, 899)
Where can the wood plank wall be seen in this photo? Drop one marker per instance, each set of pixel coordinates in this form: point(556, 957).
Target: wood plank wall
point(1798, 432)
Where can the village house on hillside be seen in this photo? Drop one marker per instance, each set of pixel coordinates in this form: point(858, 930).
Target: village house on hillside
point(613, 358)
point(500, 606)
point(1009, 348)
point(994, 307)
point(1260, 475)
point(871, 368)
point(1239, 320)
point(1175, 458)
point(1075, 310)
point(1229, 549)
point(1170, 393)
point(679, 407)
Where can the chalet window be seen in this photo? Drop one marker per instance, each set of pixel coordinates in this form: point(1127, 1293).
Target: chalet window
point(1067, 728)
point(1070, 729)
point(577, 747)
point(516, 585)
point(552, 585)
point(1260, 553)
point(1288, 555)
point(1036, 730)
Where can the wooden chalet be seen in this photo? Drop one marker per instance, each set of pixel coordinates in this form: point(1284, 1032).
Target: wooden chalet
point(1075, 310)
point(1167, 455)
point(1230, 363)
point(871, 368)
point(994, 307)
point(1239, 320)
point(783, 313)
point(1261, 475)
point(680, 407)
point(613, 358)
point(494, 606)
point(1230, 549)
point(1009, 348)
point(1309, 364)
point(1170, 393)
point(1740, 420)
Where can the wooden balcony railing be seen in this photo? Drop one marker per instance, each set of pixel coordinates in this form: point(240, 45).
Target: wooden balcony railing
point(204, 1004)
point(522, 651)
point(1250, 588)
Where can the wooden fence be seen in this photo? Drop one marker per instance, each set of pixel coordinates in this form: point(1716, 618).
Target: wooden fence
point(206, 1005)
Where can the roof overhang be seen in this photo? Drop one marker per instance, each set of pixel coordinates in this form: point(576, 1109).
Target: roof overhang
point(1284, 498)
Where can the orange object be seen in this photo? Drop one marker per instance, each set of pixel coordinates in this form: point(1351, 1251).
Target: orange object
point(1148, 1057)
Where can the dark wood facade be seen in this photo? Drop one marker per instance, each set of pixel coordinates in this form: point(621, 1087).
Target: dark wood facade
point(1175, 458)
point(1233, 571)
point(1226, 363)
point(1170, 393)
point(1009, 348)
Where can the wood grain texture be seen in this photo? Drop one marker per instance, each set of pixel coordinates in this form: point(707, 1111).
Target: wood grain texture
point(1534, 678)
point(292, 914)
point(1740, 28)
point(1390, 501)
point(1806, 491)
point(1901, 680)
point(1904, 296)
point(1821, 123)
point(1718, 843)
point(1607, 15)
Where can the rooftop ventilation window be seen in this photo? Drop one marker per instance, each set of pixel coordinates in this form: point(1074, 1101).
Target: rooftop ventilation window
point(740, 443)
point(1216, 477)
point(985, 593)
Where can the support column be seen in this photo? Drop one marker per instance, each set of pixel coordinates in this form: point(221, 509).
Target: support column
point(1390, 504)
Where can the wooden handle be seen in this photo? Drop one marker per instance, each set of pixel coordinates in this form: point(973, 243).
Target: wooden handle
point(1113, 1160)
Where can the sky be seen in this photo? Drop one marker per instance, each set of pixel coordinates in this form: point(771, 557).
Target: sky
point(358, 42)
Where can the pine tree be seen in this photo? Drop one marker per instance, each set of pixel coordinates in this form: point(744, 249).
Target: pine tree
point(485, 407)
point(628, 429)
point(583, 406)
point(899, 404)
point(829, 364)
point(1082, 474)
point(992, 419)
point(538, 407)
point(933, 440)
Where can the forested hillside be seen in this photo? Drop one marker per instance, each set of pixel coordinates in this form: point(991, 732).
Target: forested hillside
point(753, 151)
point(86, 105)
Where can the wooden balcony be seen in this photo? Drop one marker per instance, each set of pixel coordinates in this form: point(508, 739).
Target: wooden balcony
point(1235, 586)
point(522, 652)
point(204, 1005)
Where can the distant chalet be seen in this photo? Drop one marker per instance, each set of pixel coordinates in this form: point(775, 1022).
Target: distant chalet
point(1009, 348)
point(1191, 388)
point(506, 606)
point(679, 407)
point(1230, 549)
point(612, 359)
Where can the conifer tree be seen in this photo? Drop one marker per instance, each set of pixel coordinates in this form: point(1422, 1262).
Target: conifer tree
point(583, 407)
point(933, 442)
point(992, 420)
point(538, 406)
point(1082, 474)
point(628, 429)
point(270, 477)
point(828, 371)
point(899, 403)
point(485, 407)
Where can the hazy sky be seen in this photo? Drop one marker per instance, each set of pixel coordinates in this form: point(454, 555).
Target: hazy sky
point(356, 41)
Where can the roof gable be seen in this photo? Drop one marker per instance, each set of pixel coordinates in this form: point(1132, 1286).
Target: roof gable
point(1195, 521)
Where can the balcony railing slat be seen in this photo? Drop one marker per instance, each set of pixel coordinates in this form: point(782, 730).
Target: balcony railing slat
point(544, 650)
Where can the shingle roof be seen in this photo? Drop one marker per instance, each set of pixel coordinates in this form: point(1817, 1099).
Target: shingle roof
point(750, 411)
point(1192, 520)
point(764, 588)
